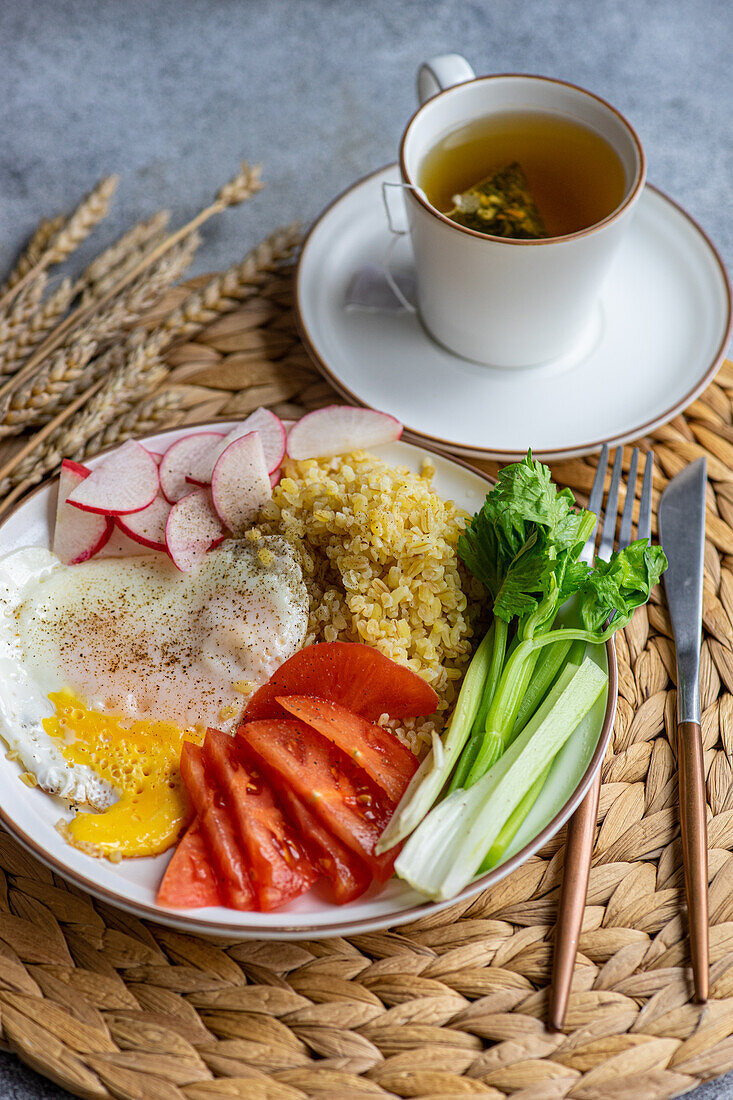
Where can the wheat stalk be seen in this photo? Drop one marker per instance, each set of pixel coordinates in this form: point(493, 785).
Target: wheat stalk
point(245, 183)
point(71, 233)
point(71, 370)
point(32, 252)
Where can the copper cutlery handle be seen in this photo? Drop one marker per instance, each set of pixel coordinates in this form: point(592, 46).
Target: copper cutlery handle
point(694, 849)
point(578, 850)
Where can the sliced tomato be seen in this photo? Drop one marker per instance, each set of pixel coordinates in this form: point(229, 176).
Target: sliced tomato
point(348, 876)
point(278, 866)
point(341, 795)
point(189, 881)
point(357, 676)
point(218, 831)
point(382, 756)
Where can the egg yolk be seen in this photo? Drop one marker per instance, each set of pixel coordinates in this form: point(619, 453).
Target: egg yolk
point(140, 760)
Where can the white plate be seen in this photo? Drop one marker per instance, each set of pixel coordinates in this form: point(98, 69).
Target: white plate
point(658, 336)
point(30, 814)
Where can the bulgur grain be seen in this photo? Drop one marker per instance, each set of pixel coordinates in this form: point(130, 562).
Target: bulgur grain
point(378, 548)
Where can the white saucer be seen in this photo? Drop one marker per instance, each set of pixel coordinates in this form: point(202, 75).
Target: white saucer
point(660, 332)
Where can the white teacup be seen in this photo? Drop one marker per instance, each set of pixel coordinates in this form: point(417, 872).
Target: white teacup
point(499, 301)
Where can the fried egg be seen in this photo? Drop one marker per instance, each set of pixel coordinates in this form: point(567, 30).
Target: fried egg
point(108, 665)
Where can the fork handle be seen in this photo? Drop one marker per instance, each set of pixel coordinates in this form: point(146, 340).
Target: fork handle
point(694, 849)
point(578, 851)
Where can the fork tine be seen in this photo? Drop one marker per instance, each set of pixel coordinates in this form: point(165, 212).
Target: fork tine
point(625, 534)
point(645, 508)
point(596, 493)
point(609, 523)
point(595, 502)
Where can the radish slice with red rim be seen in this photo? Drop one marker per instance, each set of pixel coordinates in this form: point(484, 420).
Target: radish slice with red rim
point(125, 481)
point(120, 545)
point(240, 484)
point(147, 528)
point(338, 429)
point(190, 457)
point(77, 536)
point(192, 528)
point(271, 431)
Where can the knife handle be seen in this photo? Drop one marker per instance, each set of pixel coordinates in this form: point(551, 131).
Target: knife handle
point(693, 820)
point(571, 907)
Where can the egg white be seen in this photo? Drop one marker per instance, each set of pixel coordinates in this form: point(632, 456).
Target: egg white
point(133, 636)
point(24, 701)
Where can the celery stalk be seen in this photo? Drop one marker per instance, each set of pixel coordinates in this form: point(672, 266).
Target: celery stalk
point(446, 850)
point(515, 821)
point(548, 665)
point(571, 653)
point(430, 778)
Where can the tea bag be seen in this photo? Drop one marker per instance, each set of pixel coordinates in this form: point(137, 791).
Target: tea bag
point(500, 205)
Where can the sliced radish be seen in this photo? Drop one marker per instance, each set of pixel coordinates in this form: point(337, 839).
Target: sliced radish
point(275, 477)
point(192, 456)
point(156, 456)
point(271, 431)
point(120, 545)
point(77, 537)
point(240, 483)
point(148, 526)
point(193, 527)
point(125, 481)
point(338, 429)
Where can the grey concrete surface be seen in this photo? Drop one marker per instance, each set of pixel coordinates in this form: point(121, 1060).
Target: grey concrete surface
point(171, 94)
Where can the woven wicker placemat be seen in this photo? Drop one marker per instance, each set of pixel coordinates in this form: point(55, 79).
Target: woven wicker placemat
point(107, 1006)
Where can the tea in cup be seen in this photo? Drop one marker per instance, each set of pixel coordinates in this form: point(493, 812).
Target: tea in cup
point(519, 190)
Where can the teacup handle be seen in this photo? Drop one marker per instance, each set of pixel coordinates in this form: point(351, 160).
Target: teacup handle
point(440, 73)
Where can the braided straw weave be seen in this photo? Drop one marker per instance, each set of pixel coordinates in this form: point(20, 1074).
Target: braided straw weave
point(454, 1004)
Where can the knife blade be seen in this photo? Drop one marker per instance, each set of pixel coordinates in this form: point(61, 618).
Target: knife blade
point(682, 534)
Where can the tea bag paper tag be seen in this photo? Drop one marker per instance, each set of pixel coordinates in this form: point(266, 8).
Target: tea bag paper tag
point(370, 289)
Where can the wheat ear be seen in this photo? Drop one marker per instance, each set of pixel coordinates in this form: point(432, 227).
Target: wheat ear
point(102, 273)
point(29, 257)
point(18, 313)
point(141, 373)
point(225, 292)
point(71, 370)
point(156, 412)
point(13, 351)
point(70, 234)
point(245, 184)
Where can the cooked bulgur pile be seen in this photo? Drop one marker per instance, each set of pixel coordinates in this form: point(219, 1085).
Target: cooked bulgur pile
point(378, 549)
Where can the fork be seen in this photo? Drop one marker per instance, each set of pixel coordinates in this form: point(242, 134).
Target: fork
point(582, 825)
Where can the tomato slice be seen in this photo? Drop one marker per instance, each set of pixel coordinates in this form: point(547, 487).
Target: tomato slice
point(357, 676)
point(189, 881)
point(382, 756)
point(340, 794)
point(348, 876)
point(218, 831)
point(278, 866)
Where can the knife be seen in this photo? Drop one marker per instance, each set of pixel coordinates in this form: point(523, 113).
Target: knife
point(682, 534)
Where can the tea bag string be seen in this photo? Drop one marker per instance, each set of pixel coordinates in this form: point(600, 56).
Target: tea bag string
point(397, 233)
